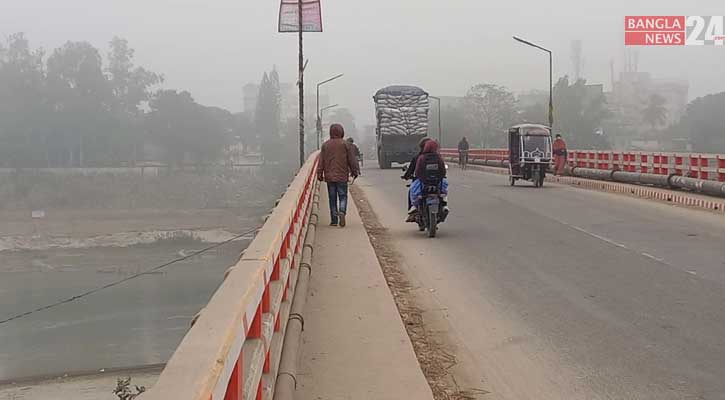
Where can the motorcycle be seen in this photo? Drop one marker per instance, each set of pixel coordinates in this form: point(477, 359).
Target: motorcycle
point(431, 208)
point(430, 212)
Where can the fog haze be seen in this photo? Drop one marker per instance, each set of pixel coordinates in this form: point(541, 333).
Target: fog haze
point(214, 48)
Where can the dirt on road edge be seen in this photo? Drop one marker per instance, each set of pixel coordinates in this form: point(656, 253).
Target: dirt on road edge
point(435, 358)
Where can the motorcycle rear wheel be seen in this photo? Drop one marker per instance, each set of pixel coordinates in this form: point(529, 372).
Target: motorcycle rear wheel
point(432, 224)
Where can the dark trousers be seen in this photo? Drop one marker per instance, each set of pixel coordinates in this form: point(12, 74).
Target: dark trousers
point(337, 191)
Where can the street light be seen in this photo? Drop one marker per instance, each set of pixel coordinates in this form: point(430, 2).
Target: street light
point(319, 121)
point(440, 129)
point(551, 79)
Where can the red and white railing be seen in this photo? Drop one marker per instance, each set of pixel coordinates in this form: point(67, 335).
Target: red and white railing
point(232, 351)
point(479, 154)
point(693, 165)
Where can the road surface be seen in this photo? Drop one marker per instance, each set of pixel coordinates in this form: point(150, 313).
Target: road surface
point(563, 293)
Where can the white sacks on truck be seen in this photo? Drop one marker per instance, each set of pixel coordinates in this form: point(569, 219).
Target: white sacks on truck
point(402, 110)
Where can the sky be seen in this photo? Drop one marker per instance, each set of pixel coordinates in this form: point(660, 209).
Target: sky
point(214, 47)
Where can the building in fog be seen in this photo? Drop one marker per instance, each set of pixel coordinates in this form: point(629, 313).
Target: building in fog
point(629, 97)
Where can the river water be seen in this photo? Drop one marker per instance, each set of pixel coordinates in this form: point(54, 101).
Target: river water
point(139, 322)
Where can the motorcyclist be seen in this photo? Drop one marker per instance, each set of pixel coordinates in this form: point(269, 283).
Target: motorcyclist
point(429, 155)
point(410, 171)
point(463, 148)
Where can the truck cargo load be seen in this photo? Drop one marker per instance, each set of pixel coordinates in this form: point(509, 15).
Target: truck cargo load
point(402, 120)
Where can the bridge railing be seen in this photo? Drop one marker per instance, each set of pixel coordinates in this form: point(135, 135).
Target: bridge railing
point(233, 349)
point(694, 165)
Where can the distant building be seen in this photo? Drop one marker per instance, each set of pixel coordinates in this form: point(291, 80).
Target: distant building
point(630, 96)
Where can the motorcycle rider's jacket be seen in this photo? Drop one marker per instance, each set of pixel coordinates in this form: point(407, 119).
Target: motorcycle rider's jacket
point(430, 168)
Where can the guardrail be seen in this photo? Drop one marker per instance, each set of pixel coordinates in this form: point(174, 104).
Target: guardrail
point(693, 165)
point(233, 349)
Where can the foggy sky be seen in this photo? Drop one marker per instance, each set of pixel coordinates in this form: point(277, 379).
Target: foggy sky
point(214, 47)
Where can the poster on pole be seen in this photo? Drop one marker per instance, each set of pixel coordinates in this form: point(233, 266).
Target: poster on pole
point(289, 16)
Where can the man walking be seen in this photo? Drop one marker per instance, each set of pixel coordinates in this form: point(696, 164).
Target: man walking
point(337, 164)
point(560, 155)
point(356, 150)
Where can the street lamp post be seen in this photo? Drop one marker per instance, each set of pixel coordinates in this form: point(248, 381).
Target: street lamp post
point(440, 124)
point(551, 78)
point(319, 120)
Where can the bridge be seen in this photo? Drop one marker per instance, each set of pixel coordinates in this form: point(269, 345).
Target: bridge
point(581, 289)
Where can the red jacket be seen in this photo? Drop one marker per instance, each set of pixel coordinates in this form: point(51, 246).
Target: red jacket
point(431, 146)
point(337, 159)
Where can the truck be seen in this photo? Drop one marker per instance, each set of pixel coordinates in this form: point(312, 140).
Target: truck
point(402, 121)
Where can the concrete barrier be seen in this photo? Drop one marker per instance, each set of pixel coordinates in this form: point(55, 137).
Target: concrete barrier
point(233, 350)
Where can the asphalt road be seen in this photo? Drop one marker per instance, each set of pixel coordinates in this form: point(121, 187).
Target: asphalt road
point(563, 293)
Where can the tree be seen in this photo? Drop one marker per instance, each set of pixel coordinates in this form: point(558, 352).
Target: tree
point(490, 110)
point(71, 110)
point(23, 109)
point(704, 124)
point(80, 96)
point(268, 115)
point(655, 113)
point(131, 87)
point(579, 112)
point(185, 130)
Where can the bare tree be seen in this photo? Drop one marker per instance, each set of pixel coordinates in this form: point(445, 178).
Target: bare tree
point(490, 109)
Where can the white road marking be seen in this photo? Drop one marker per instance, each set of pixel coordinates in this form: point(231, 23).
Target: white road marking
point(594, 235)
point(653, 257)
point(622, 246)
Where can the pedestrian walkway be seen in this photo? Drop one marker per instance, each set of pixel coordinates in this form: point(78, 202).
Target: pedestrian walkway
point(354, 344)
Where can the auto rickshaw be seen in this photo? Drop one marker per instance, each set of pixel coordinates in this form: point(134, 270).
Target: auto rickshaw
point(530, 153)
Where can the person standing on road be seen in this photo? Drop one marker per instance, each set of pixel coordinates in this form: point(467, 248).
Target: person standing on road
point(560, 155)
point(463, 148)
point(337, 164)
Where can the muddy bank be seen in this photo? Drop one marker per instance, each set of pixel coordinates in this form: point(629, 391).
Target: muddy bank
point(210, 189)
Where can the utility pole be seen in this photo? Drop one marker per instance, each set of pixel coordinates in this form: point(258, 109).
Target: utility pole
point(292, 19)
point(301, 86)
